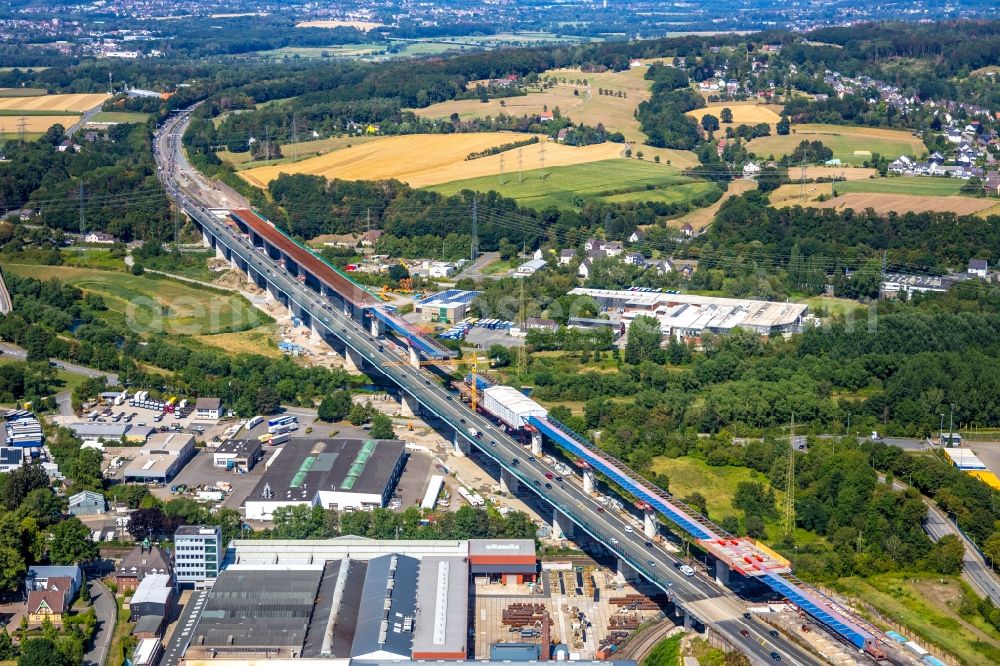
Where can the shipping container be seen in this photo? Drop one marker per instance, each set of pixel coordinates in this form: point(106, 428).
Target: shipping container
point(511, 406)
point(282, 429)
point(279, 439)
point(254, 422)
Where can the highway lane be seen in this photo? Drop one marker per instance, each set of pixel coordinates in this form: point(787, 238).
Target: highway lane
point(653, 562)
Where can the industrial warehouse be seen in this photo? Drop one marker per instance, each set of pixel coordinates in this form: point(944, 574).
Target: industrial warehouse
point(349, 598)
point(343, 474)
point(686, 317)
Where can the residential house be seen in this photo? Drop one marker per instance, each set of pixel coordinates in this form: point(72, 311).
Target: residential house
point(635, 259)
point(561, 135)
point(141, 561)
point(370, 237)
point(992, 184)
point(585, 268)
point(902, 164)
point(593, 244)
point(662, 266)
point(613, 249)
point(687, 229)
point(566, 257)
point(750, 170)
point(442, 269)
point(87, 503)
point(636, 236)
point(208, 408)
point(545, 116)
point(50, 591)
point(99, 238)
point(978, 267)
point(50, 602)
point(540, 324)
point(538, 254)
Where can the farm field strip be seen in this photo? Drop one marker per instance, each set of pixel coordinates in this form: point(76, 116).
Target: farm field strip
point(850, 144)
point(75, 103)
point(430, 159)
point(918, 185)
point(34, 124)
point(744, 113)
point(565, 187)
point(906, 203)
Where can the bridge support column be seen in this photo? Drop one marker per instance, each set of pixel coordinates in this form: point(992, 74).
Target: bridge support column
point(722, 573)
point(508, 482)
point(414, 358)
point(649, 524)
point(352, 361)
point(626, 572)
point(377, 327)
point(536, 443)
point(219, 253)
point(316, 332)
point(588, 481)
point(562, 526)
point(684, 616)
point(205, 240)
point(408, 405)
point(460, 445)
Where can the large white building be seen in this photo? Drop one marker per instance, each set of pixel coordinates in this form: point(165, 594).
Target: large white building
point(689, 316)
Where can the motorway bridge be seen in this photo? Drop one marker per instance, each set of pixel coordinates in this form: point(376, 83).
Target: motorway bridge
point(353, 322)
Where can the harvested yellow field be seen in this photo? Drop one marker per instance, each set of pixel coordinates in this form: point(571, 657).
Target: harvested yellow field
point(846, 172)
point(34, 124)
point(906, 203)
point(578, 101)
point(360, 25)
point(702, 217)
point(744, 113)
point(77, 103)
point(682, 159)
point(430, 159)
point(794, 194)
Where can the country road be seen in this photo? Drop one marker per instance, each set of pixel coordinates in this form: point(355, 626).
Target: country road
point(975, 570)
point(13, 351)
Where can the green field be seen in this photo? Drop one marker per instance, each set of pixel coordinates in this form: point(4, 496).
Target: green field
point(151, 305)
point(570, 186)
point(929, 607)
point(851, 145)
point(119, 117)
point(716, 484)
point(923, 186)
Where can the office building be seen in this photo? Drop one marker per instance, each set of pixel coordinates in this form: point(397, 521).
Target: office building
point(197, 554)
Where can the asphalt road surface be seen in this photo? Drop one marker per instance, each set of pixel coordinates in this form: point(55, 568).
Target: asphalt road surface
point(107, 611)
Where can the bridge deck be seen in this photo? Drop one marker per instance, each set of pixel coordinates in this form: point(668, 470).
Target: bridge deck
point(741, 554)
point(340, 283)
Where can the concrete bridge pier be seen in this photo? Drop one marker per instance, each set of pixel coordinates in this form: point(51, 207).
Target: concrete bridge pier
point(508, 482)
point(625, 571)
point(206, 240)
point(588, 481)
point(562, 526)
point(536, 443)
point(722, 571)
point(414, 357)
point(460, 445)
point(377, 327)
point(352, 361)
point(649, 524)
point(408, 405)
point(684, 617)
point(219, 253)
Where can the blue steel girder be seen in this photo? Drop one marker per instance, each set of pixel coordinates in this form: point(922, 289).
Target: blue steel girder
point(413, 338)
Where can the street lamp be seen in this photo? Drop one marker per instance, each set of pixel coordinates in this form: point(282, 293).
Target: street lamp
point(951, 425)
point(941, 430)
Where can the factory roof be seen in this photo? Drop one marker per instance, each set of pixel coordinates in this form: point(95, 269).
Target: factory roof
point(448, 298)
point(442, 609)
point(238, 446)
point(11, 455)
point(154, 588)
point(303, 467)
point(258, 608)
point(501, 548)
point(196, 530)
point(86, 429)
point(387, 607)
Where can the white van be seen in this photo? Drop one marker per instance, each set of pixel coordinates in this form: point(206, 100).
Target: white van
point(686, 570)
